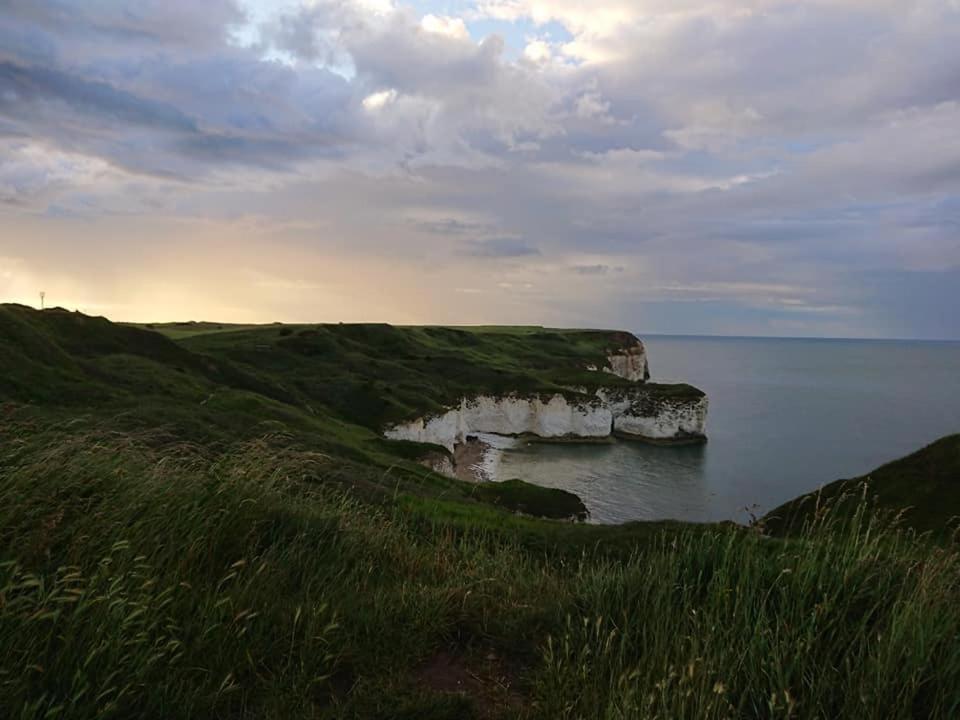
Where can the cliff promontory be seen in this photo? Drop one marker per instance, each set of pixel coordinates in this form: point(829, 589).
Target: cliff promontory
point(371, 383)
point(440, 384)
point(613, 398)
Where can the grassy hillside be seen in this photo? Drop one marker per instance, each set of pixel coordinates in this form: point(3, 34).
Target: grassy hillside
point(202, 529)
point(924, 488)
point(373, 375)
point(143, 578)
point(333, 387)
point(64, 366)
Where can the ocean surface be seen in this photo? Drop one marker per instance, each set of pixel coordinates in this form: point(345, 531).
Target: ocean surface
point(786, 416)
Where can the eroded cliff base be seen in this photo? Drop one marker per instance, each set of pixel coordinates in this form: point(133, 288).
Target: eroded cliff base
point(654, 413)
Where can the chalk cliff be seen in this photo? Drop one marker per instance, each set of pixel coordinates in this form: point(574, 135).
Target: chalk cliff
point(657, 413)
point(546, 417)
point(630, 362)
point(645, 412)
point(634, 409)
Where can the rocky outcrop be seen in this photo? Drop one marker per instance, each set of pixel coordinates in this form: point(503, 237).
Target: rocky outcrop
point(645, 412)
point(440, 462)
point(637, 410)
point(629, 363)
point(657, 414)
point(546, 417)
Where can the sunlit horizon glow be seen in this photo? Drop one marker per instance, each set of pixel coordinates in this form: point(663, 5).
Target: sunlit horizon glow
point(717, 167)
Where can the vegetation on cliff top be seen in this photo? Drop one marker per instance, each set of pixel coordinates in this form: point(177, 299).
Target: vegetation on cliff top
point(58, 366)
point(187, 533)
point(374, 375)
point(924, 487)
point(332, 386)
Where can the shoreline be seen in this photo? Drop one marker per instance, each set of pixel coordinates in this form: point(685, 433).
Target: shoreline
point(477, 459)
point(469, 459)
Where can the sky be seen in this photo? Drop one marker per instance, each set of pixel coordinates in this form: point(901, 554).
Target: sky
point(724, 167)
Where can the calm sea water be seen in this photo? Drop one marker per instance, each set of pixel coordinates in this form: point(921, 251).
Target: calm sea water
point(786, 416)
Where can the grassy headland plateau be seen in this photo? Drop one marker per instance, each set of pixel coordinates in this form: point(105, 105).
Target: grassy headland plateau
point(211, 525)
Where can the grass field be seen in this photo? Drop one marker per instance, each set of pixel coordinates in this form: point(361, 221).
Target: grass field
point(181, 330)
point(186, 534)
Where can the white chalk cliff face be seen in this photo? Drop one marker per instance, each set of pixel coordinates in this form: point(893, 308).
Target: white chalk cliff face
point(548, 417)
point(640, 411)
point(630, 363)
point(627, 412)
point(648, 416)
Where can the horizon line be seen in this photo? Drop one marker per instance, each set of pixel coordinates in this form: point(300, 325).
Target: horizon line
point(639, 334)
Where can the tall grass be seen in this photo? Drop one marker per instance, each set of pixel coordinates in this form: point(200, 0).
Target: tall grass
point(139, 578)
point(164, 583)
point(854, 619)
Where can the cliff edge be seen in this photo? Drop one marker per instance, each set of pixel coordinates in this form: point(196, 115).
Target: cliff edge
point(612, 399)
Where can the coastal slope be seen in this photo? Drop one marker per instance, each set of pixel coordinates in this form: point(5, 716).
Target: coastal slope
point(373, 395)
point(439, 386)
point(923, 488)
point(197, 533)
point(380, 376)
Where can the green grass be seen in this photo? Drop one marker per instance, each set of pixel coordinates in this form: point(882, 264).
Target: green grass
point(146, 579)
point(334, 387)
point(366, 375)
point(520, 496)
point(373, 375)
point(206, 529)
point(181, 330)
point(68, 367)
point(924, 487)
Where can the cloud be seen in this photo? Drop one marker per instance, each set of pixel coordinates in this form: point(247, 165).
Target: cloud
point(453, 226)
point(31, 173)
point(378, 100)
point(24, 88)
point(179, 23)
point(504, 247)
point(442, 25)
point(626, 160)
point(598, 269)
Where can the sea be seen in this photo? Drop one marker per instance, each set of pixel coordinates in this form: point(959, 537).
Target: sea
point(786, 417)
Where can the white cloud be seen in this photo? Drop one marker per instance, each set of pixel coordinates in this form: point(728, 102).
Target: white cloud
point(443, 25)
point(378, 100)
point(538, 51)
point(32, 172)
point(715, 126)
point(592, 105)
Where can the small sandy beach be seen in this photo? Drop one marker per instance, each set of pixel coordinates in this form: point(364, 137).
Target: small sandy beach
point(468, 458)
